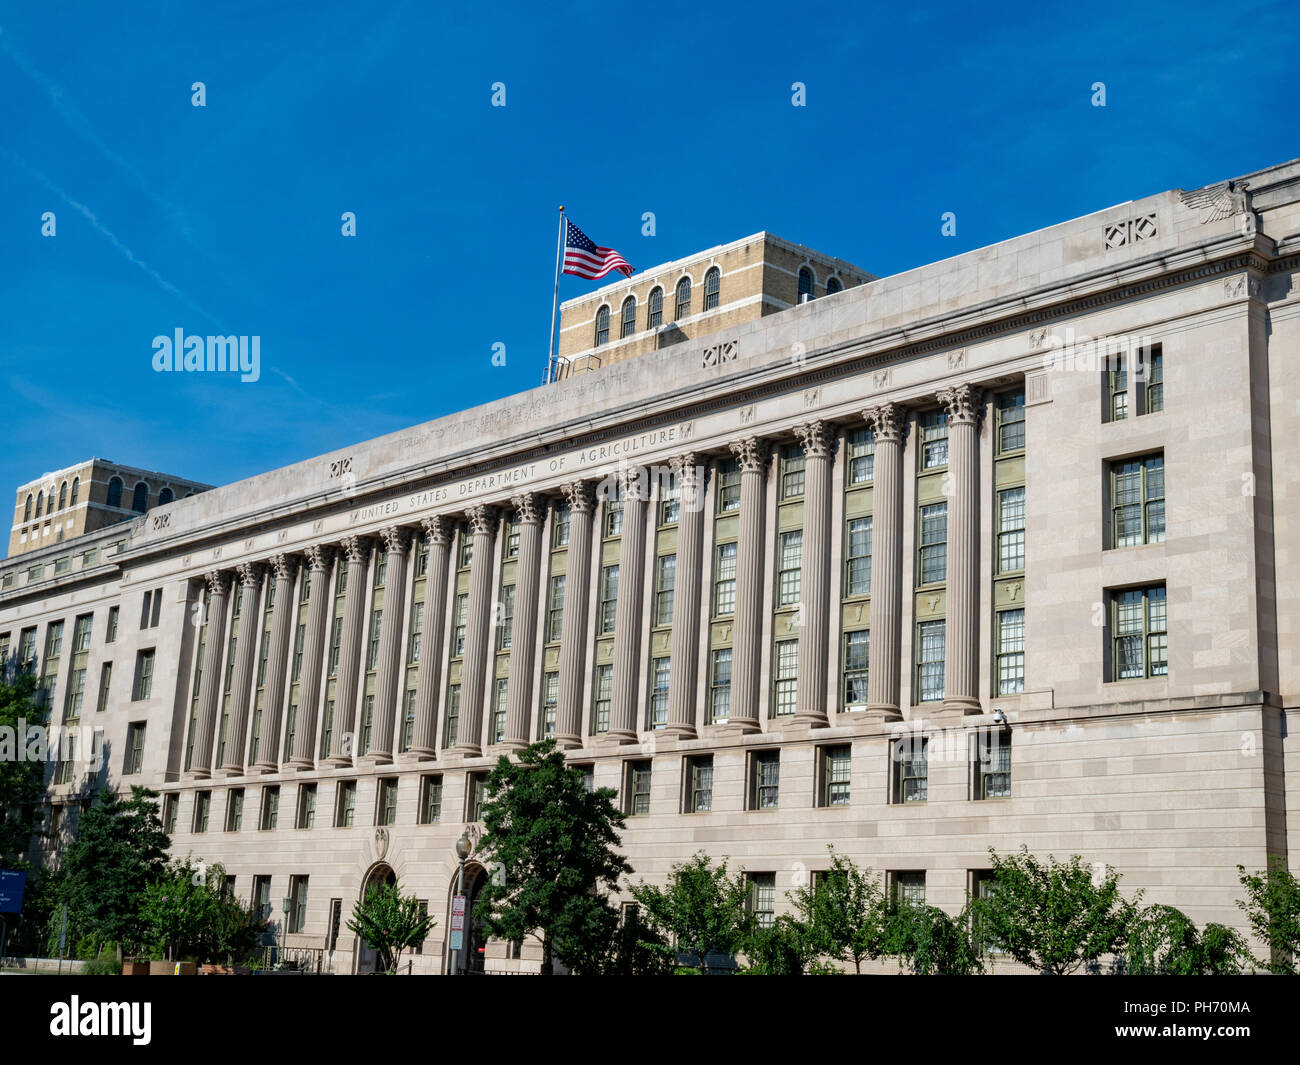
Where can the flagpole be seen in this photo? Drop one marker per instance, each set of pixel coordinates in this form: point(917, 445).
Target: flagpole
point(555, 303)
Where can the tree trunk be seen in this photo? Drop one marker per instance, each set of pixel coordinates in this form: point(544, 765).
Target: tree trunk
point(547, 968)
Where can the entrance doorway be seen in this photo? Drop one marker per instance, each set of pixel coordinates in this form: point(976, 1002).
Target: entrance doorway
point(380, 875)
point(469, 960)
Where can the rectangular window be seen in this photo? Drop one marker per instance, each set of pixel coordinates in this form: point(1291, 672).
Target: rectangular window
point(386, 805)
point(143, 675)
point(1137, 501)
point(81, 633)
point(453, 716)
point(670, 505)
point(862, 456)
point(475, 784)
point(512, 538)
point(908, 889)
point(1011, 530)
point(857, 654)
point(134, 747)
point(764, 780)
point(720, 685)
point(604, 693)
point(202, 807)
point(660, 674)
point(345, 806)
point(588, 777)
point(416, 637)
point(431, 800)
point(270, 808)
point(367, 724)
point(699, 784)
point(929, 661)
point(608, 599)
point(789, 568)
point(372, 653)
point(297, 903)
point(500, 692)
point(506, 619)
point(1117, 387)
point(786, 677)
point(911, 773)
point(458, 625)
point(1010, 414)
point(1155, 383)
point(148, 600)
point(724, 582)
point(1140, 640)
point(992, 769)
point(408, 719)
point(728, 486)
point(262, 897)
point(637, 788)
point(1011, 651)
point(466, 557)
point(551, 702)
point(613, 518)
point(934, 543)
point(234, 810)
point(560, 527)
point(105, 680)
point(169, 808)
point(762, 898)
point(665, 582)
point(836, 774)
point(555, 609)
point(934, 439)
point(792, 472)
point(306, 806)
point(857, 563)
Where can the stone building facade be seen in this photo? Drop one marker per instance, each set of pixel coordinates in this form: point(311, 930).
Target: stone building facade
point(996, 551)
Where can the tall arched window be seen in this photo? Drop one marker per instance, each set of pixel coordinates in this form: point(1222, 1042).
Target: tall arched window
point(683, 299)
point(40, 503)
point(27, 510)
point(629, 318)
point(115, 491)
point(602, 326)
point(76, 487)
point(833, 285)
point(140, 498)
point(166, 496)
point(712, 284)
point(63, 495)
point(656, 312)
point(805, 284)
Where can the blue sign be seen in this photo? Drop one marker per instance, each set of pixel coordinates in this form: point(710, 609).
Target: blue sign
point(12, 885)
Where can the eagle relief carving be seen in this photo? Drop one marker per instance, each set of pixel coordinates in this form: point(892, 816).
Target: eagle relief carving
point(381, 842)
point(1214, 202)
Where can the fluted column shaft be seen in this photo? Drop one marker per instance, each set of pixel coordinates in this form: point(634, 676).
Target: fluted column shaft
point(210, 685)
point(478, 630)
point(884, 690)
point(815, 575)
point(429, 673)
point(961, 649)
point(573, 627)
point(751, 453)
point(685, 643)
point(319, 600)
point(241, 682)
point(277, 660)
point(519, 688)
point(388, 669)
point(634, 488)
point(343, 736)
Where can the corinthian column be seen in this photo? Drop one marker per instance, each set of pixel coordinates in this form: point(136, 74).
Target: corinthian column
point(961, 649)
point(888, 423)
point(210, 685)
point(573, 631)
point(685, 645)
point(519, 686)
point(303, 753)
point(751, 453)
point(634, 488)
point(429, 672)
point(396, 540)
point(277, 658)
point(343, 732)
point(241, 682)
point(478, 629)
point(815, 576)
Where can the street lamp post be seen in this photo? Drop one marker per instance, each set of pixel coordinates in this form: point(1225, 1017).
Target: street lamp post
point(463, 848)
point(285, 904)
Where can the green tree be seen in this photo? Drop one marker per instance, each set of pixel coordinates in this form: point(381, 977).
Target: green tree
point(120, 849)
point(1165, 941)
point(701, 910)
point(845, 912)
point(1272, 905)
point(1054, 916)
point(390, 922)
point(551, 844)
point(931, 943)
point(178, 911)
point(786, 947)
point(21, 780)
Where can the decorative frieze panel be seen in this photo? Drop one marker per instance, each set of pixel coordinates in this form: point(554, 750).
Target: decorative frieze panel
point(727, 351)
point(1130, 231)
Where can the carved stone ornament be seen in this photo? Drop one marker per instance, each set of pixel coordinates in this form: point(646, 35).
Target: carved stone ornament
point(319, 557)
point(751, 453)
point(356, 549)
point(482, 519)
point(888, 422)
point(381, 842)
point(286, 566)
point(1214, 202)
point(250, 573)
point(396, 539)
point(813, 438)
point(218, 581)
point(438, 529)
point(580, 497)
point(527, 506)
point(963, 404)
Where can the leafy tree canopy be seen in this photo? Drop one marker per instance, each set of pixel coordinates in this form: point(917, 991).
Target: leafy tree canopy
point(390, 922)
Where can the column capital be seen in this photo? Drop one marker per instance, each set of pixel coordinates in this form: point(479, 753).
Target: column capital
point(751, 453)
point(482, 519)
point(814, 438)
point(285, 566)
point(356, 549)
point(319, 557)
point(888, 422)
point(634, 483)
point(528, 505)
point(250, 572)
point(396, 539)
point(964, 404)
point(579, 495)
point(218, 581)
point(438, 529)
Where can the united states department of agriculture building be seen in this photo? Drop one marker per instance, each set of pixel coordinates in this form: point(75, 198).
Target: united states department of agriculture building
point(999, 550)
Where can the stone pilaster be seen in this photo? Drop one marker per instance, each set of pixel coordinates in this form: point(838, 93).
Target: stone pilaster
point(961, 648)
point(210, 685)
point(389, 667)
point(573, 631)
point(815, 576)
point(687, 608)
point(888, 425)
point(356, 550)
point(634, 489)
point(478, 629)
point(303, 753)
point(241, 681)
point(277, 660)
point(429, 672)
point(519, 689)
point(752, 454)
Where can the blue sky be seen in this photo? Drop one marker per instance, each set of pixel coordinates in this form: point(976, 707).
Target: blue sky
point(226, 218)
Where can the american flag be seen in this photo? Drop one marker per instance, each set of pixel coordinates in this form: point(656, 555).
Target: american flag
point(583, 258)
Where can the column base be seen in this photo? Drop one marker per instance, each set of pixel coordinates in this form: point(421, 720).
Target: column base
point(264, 767)
point(681, 731)
point(376, 758)
point(424, 754)
point(962, 705)
point(738, 725)
point(334, 761)
point(467, 750)
point(509, 746)
point(810, 719)
point(883, 712)
point(567, 741)
point(620, 736)
point(232, 770)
